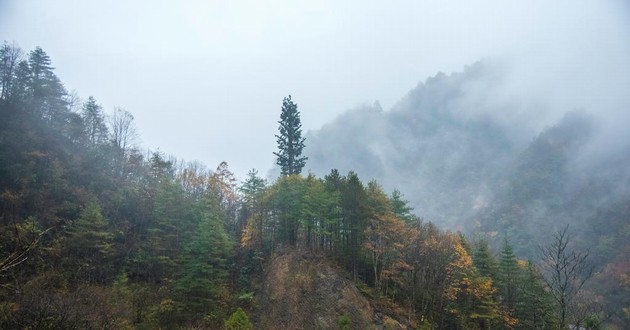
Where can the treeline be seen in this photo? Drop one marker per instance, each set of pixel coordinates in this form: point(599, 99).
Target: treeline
point(94, 232)
point(98, 234)
point(445, 281)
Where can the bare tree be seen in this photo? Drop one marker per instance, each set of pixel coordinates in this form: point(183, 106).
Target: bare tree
point(565, 272)
point(123, 136)
point(74, 101)
point(10, 56)
point(123, 130)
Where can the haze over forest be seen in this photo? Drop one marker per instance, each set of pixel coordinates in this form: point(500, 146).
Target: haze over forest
point(192, 71)
point(357, 165)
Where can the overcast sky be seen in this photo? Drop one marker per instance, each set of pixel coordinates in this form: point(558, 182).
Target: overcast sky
point(205, 79)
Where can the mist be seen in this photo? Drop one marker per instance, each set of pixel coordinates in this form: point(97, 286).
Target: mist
point(191, 71)
point(491, 149)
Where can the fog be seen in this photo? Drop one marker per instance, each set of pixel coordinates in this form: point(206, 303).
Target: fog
point(205, 80)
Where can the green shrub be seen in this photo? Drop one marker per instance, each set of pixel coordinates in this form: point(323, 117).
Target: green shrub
point(238, 321)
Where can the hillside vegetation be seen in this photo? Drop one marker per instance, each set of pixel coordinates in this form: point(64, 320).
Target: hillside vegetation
point(98, 234)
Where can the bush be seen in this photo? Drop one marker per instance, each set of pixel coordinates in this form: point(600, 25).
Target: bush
point(238, 321)
point(344, 322)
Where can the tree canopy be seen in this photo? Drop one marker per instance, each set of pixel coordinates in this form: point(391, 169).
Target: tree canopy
point(290, 140)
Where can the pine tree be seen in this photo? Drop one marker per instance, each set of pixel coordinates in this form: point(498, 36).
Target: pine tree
point(401, 207)
point(290, 140)
point(46, 89)
point(508, 273)
point(90, 246)
point(484, 261)
point(94, 119)
point(204, 265)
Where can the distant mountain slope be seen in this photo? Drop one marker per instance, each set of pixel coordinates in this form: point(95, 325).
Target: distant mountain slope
point(470, 156)
point(441, 145)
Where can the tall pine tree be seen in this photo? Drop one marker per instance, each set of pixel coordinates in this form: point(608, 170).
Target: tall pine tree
point(290, 140)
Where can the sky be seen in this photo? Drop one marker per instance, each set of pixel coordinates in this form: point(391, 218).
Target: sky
point(205, 79)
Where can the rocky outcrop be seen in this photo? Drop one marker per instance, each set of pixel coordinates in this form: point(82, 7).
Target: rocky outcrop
point(303, 291)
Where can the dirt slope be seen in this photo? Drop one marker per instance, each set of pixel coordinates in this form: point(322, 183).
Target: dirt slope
point(302, 291)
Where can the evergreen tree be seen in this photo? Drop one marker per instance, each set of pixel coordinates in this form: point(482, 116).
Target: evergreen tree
point(401, 207)
point(484, 261)
point(508, 275)
point(354, 204)
point(94, 119)
point(90, 246)
point(534, 304)
point(46, 89)
point(290, 140)
point(204, 266)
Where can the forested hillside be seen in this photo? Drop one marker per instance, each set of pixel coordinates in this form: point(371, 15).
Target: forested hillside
point(99, 234)
point(470, 158)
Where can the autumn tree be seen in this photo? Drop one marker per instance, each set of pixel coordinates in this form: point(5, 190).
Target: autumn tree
point(385, 237)
point(290, 140)
point(472, 295)
point(252, 192)
point(222, 188)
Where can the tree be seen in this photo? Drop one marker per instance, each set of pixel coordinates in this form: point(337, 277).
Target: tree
point(355, 215)
point(471, 294)
point(123, 131)
point(10, 56)
point(533, 303)
point(384, 237)
point(90, 246)
point(290, 140)
point(252, 190)
point(45, 88)
point(483, 260)
point(401, 207)
point(565, 272)
point(123, 136)
point(507, 275)
point(204, 265)
point(94, 119)
point(238, 321)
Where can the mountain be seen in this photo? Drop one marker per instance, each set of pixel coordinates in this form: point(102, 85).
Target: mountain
point(471, 154)
point(440, 145)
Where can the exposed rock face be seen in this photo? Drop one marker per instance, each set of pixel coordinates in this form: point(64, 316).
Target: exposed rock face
point(303, 291)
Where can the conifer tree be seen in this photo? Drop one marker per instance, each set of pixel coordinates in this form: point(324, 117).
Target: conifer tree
point(508, 273)
point(290, 140)
point(45, 88)
point(204, 269)
point(90, 245)
point(94, 120)
point(483, 260)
